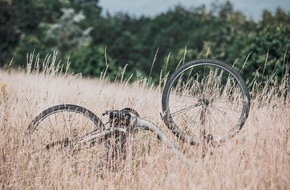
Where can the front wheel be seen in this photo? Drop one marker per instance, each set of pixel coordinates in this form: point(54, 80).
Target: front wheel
point(73, 129)
point(61, 125)
point(205, 100)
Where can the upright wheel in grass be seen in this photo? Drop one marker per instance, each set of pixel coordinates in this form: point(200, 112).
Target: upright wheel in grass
point(205, 100)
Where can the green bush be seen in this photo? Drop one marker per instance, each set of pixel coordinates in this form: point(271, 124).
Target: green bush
point(93, 61)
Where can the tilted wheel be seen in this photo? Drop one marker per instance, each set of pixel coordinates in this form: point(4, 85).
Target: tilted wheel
point(205, 100)
point(75, 129)
point(58, 129)
point(62, 124)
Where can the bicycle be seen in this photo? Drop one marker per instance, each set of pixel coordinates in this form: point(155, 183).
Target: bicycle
point(112, 135)
point(198, 99)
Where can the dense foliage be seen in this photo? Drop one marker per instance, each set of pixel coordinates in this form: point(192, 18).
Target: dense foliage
point(143, 46)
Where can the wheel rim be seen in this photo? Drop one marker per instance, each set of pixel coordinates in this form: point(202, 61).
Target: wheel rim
point(64, 129)
point(60, 129)
point(206, 101)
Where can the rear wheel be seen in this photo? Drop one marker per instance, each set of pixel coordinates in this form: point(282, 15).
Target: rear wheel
point(205, 100)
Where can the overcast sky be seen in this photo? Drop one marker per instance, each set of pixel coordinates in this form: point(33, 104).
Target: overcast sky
point(251, 8)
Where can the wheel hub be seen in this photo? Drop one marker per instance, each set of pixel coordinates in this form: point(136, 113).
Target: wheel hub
point(203, 102)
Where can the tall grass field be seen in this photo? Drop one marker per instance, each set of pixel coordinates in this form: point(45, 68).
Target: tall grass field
point(258, 157)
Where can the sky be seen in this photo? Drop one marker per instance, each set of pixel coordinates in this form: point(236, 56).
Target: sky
point(251, 8)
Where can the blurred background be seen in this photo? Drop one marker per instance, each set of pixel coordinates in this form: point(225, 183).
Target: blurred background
point(147, 38)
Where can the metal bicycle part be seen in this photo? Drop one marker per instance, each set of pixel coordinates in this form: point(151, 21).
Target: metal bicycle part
point(71, 131)
point(205, 100)
point(71, 128)
point(61, 125)
point(136, 124)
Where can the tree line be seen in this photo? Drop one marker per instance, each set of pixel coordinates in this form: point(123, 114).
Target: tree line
point(144, 47)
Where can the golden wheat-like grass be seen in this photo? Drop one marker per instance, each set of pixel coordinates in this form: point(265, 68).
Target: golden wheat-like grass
point(257, 158)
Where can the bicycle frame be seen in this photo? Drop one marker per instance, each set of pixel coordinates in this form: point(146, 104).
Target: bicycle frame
point(136, 124)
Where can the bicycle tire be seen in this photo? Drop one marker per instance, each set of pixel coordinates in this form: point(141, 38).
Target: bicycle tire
point(105, 144)
point(193, 80)
point(57, 124)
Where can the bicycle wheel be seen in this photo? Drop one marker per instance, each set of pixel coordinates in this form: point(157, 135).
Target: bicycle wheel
point(76, 130)
point(61, 126)
point(205, 100)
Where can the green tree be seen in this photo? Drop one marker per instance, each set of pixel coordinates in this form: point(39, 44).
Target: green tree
point(93, 61)
point(64, 27)
point(268, 47)
point(8, 37)
point(21, 18)
point(77, 29)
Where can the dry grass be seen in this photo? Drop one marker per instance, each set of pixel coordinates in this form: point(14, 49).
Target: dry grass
point(257, 158)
